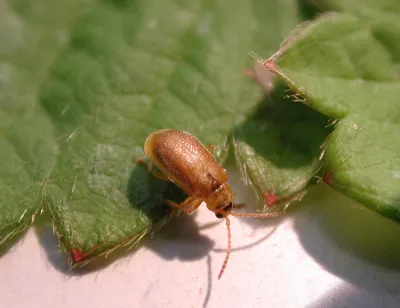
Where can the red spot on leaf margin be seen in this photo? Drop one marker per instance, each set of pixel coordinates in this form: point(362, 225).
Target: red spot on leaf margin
point(328, 178)
point(270, 65)
point(270, 199)
point(78, 255)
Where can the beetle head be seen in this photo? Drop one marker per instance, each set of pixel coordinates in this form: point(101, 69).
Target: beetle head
point(222, 201)
point(224, 211)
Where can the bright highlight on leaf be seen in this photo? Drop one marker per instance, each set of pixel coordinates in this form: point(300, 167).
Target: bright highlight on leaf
point(28, 48)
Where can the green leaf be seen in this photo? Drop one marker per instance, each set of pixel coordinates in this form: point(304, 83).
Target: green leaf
point(133, 67)
point(346, 65)
point(28, 47)
point(278, 148)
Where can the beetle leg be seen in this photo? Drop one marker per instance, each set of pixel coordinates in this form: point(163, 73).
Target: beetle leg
point(210, 148)
point(181, 206)
point(193, 206)
point(188, 206)
point(150, 169)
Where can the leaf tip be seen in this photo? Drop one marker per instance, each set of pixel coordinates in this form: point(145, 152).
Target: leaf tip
point(328, 178)
point(270, 65)
point(78, 255)
point(270, 199)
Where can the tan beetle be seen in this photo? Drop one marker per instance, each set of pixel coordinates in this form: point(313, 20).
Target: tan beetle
point(182, 159)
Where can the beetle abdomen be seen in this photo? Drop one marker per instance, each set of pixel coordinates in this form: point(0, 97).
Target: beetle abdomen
point(185, 161)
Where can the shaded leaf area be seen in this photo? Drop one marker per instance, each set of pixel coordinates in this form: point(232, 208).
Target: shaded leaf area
point(131, 68)
point(346, 65)
point(28, 47)
point(278, 148)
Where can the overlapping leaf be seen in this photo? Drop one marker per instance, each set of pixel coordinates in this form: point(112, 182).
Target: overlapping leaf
point(278, 148)
point(346, 65)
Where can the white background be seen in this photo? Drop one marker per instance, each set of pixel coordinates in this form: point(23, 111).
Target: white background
point(328, 252)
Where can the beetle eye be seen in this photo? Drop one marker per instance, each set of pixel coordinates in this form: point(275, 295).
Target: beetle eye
point(219, 215)
point(228, 207)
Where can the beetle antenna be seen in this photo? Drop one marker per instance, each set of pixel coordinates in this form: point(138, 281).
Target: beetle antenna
point(228, 250)
point(259, 215)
